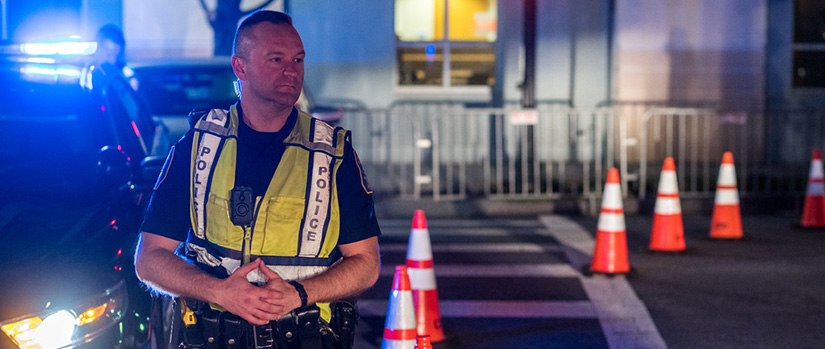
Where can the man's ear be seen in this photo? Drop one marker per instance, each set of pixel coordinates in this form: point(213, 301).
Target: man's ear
point(238, 67)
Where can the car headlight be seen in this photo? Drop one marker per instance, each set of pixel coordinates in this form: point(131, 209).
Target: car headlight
point(60, 328)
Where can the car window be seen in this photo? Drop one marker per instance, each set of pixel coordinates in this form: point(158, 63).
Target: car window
point(49, 138)
point(135, 127)
point(179, 90)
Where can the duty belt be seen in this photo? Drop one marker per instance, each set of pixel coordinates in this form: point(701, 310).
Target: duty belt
point(301, 328)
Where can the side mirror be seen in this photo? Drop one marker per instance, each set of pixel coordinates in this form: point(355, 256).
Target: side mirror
point(113, 166)
point(151, 167)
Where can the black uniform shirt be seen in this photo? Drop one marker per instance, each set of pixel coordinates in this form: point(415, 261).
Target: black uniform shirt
point(258, 155)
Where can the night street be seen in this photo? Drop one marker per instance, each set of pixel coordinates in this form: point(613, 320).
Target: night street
point(232, 174)
point(516, 283)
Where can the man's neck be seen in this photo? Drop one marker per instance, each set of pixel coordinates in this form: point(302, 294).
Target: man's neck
point(263, 117)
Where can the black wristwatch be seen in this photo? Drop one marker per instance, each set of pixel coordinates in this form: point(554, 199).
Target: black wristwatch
point(301, 292)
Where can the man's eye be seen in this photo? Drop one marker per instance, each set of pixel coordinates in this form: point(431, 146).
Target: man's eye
point(276, 59)
point(299, 60)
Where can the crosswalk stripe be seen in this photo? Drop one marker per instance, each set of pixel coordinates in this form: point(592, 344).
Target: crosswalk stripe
point(624, 318)
point(481, 248)
point(462, 223)
point(494, 309)
point(493, 270)
point(480, 231)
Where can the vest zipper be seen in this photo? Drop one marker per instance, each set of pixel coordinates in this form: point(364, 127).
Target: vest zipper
point(247, 236)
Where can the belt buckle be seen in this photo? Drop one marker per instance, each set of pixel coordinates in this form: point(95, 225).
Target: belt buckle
point(263, 337)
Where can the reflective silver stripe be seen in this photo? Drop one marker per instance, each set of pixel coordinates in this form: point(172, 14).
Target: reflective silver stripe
point(287, 272)
point(204, 257)
point(326, 148)
point(317, 210)
point(207, 153)
point(212, 128)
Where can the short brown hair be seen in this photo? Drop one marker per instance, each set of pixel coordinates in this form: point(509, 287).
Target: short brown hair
point(241, 35)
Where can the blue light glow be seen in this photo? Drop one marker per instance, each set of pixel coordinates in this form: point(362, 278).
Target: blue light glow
point(59, 48)
point(46, 70)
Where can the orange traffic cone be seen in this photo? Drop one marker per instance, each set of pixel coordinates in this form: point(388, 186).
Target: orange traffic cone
point(727, 221)
point(813, 213)
point(399, 327)
point(423, 342)
point(610, 254)
point(422, 280)
point(668, 231)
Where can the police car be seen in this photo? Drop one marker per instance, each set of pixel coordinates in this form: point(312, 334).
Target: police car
point(173, 87)
point(77, 165)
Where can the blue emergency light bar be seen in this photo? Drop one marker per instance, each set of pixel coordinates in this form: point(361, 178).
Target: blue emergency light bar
point(61, 48)
point(46, 70)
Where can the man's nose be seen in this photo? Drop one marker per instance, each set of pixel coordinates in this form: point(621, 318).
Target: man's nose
point(291, 70)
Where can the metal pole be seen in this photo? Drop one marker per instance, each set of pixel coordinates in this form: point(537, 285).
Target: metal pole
point(3, 21)
point(528, 88)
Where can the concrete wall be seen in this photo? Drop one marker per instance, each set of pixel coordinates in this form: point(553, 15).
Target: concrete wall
point(690, 51)
point(350, 52)
point(735, 52)
point(164, 28)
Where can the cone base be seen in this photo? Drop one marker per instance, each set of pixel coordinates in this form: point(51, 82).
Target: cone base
point(610, 254)
point(668, 233)
point(726, 223)
point(428, 314)
point(813, 213)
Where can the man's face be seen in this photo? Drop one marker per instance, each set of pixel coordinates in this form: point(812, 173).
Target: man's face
point(107, 51)
point(273, 69)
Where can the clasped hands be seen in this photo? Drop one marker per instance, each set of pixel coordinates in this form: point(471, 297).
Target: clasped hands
point(257, 304)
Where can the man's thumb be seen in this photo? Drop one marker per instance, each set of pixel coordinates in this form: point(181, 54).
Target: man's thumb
point(246, 269)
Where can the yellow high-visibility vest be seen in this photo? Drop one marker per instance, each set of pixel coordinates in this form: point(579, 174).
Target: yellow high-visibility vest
point(296, 223)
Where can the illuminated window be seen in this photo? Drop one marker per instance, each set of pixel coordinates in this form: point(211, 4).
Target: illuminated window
point(809, 44)
point(445, 42)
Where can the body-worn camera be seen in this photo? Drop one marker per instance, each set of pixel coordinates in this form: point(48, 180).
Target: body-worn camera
point(242, 206)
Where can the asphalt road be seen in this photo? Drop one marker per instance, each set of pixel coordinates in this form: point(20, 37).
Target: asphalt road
point(765, 291)
point(516, 284)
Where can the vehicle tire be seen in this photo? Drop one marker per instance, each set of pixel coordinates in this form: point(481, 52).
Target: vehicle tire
point(165, 323)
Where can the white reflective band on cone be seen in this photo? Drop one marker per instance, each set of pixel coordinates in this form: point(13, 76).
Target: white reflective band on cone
point(401, 316)
point(612, 197)
point(727, 197)
point(727, 175)
point(667, 184)
point(667, 206)
point(398, 344)
point(611, 222)
point(816, 189)
point(816, 169)
point(422, 279)
point(419, 248)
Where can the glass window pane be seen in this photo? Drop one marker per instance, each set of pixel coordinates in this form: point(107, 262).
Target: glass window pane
point(420, 66)
point(472, 66)
point(809, 69)
point(809, 25)
point(473, 20)
point(419, 20)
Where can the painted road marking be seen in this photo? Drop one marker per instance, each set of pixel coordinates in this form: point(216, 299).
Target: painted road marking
point(624, 318)
point(480, 248)
point(493, 270)
point(495, 309)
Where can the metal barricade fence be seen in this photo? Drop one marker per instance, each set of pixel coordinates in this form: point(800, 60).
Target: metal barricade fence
point(450, 152)
point(771, 149)
point(696, 139)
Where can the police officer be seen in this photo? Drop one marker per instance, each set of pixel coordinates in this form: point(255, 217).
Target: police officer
point(272, 207)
